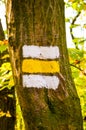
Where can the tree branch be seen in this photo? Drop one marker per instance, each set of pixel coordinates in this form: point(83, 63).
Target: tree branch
point(71, 29)
point(84, 73)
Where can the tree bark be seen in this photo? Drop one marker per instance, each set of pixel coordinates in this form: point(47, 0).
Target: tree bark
point(42, 23)
point(2, 36)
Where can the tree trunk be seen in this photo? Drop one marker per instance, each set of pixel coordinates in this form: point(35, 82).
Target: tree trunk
point(2, 36)
point(45, 88)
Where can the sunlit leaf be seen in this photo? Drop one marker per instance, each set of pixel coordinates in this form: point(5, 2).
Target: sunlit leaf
point(76, 54)
point(2, 113)
point(10, 95)
point(5, 56)
point(3, 48)
point(11, 82)
point(67, 20)
point(8, 114)
point(6, 66)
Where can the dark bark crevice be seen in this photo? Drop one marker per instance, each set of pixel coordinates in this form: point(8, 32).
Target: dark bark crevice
point(2, 35)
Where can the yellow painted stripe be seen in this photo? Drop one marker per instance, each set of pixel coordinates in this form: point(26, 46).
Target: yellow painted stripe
point(39, 66)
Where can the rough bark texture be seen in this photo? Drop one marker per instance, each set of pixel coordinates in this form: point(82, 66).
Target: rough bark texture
point(41, 22)
point(2, 36)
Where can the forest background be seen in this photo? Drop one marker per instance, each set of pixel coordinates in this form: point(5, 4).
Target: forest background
point(75, 19)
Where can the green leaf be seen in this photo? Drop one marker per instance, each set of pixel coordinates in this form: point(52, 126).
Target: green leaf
point(67, 19)
point(3, 48)
point(75, 54)
point(75, 25)
point(5, 56)
point(6, 66)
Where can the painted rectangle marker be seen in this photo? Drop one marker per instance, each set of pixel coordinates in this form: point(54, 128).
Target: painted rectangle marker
point(39, 62)
point(39, 66)
point(40, 81)
point(41, 52)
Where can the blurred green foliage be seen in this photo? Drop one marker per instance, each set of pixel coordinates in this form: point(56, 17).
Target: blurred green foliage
point(77, 54)
point(6, 79)
point(78, 67)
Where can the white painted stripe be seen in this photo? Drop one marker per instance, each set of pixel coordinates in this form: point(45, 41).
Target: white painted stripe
point(41, 52)
point(40, 81)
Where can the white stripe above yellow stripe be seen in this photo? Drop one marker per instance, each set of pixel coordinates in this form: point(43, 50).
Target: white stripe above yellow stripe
point(40, 81)
point(41, 52)
point(39, 66)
